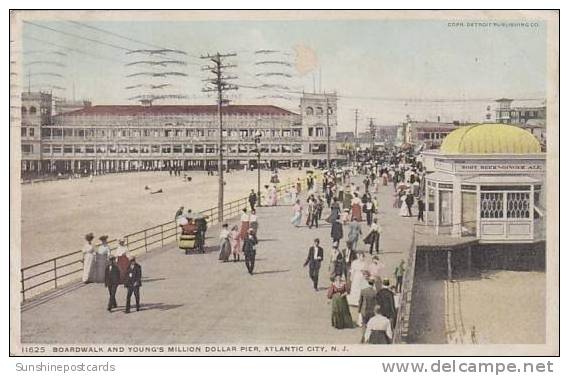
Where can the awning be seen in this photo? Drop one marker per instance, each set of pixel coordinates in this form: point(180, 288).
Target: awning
point(502, 180)
point(440, 177)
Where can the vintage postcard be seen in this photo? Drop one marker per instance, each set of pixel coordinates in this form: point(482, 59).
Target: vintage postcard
point(253, 183)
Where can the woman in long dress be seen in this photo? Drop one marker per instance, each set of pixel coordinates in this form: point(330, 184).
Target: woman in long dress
point(273, 196)
point(224, 243)
point(334, 211)
point(341, 317)
point(101, 259)
point(357, 208)
point(355, 230)
point(88, 259)
point(123, 260)
point(297, 217)
point(403, 211)
point(235, 240)
point(253, 224)
point(358, 279)
point(244, 229)
point(347, 202)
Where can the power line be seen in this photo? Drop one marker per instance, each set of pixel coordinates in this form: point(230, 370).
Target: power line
point(78, 36)
point(114, 34)
point(74, 50)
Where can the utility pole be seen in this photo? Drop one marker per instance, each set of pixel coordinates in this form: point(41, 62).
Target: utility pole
point(356, 142)
point(372, 134)
point(328, 134)
point(219, 84)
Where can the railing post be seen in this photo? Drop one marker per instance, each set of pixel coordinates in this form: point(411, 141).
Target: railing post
point(162, 234)
point(23, 286)
point(55, 272)
point(145, 242)
point(176, 229)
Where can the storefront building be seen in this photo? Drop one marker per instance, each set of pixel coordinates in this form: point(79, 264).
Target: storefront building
point(487, 182)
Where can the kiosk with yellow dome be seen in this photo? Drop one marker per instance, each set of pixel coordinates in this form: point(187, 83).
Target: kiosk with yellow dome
point(487, 183)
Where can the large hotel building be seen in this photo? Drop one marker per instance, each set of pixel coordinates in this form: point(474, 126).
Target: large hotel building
point(110, 138)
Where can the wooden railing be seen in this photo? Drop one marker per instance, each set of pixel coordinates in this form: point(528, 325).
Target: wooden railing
point(61, 270)
point(404, 312)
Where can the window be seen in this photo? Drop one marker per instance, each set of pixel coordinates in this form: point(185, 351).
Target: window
point(275, 149)
point(310, 132)
point(46, 149)
point(177, 148)
point(78, 149)
point(319, 132)
point(155, 149)
point(112, 149)
point(199, 149)
point(297, 148)
point(330, 110)
point(491, 205)
point(145, 149)
point(89, 149)
point(309, 111)
point(68, 149)
point(518, 205)
point(56, 149)
point(210, 149)
point(24, 111)
point(243, 133)
point(318, 148)
point(188, 149)
point(242, 149)
point(68, 133)
point(166, 149)
point(286, 148)
point(33, 110)
point(27, 148)
point(319, 111)
point(24, 131)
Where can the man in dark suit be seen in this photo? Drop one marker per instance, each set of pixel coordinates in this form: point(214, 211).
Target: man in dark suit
point(314, 260)
point(133, 283)
point(252, 199)
point(112, 281)
point(386, 300)
point(250, 251)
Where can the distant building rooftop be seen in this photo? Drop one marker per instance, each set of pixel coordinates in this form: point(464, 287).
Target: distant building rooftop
point(160, 110)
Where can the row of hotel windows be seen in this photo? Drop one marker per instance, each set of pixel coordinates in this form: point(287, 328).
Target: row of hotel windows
point(432, 135)
point(176, 149)
point(33, 110)
point(318, 111)
point(28, 132)
point(134, 133)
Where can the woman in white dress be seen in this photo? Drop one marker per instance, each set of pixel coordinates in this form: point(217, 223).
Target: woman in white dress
point(101, 258)
point(88, 259)
point(358, 279)
point(403, 212)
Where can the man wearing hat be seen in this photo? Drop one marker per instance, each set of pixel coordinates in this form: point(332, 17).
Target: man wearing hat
point(314, 261)
point(386, 299)
point(112, 281)
point(133, 283)
point(249, 250)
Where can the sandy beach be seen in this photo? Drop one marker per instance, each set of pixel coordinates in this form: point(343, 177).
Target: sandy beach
point(56, 215)
point(497, 307)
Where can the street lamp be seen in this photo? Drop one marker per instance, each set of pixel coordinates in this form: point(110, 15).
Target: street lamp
point(258, 149)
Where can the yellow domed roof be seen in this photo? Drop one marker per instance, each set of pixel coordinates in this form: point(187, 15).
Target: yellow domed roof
point(490, 139)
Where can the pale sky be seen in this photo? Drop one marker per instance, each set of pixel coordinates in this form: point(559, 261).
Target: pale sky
point(387, 69)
